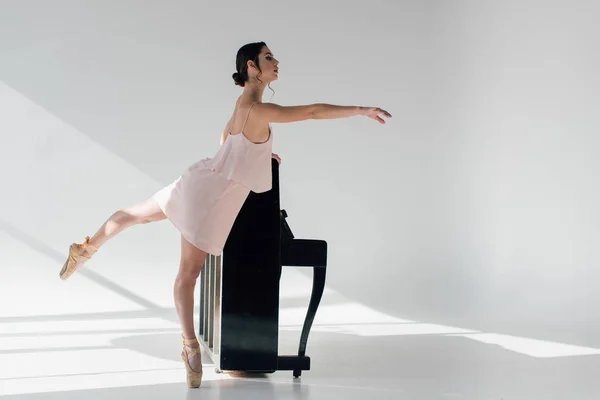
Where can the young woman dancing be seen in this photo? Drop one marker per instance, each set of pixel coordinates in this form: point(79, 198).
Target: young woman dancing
point(204, 201)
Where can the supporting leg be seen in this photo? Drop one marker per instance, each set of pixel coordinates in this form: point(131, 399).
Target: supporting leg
point(192, 260)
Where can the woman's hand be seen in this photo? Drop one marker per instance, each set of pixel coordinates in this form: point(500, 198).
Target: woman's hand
point(275, 156)
point(373, 112)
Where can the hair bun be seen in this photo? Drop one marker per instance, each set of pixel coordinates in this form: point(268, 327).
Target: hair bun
point(237, 78)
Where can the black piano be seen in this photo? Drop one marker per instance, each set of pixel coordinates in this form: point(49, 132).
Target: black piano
point(239, 290)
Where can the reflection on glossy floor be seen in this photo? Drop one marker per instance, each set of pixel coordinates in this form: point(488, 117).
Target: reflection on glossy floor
point(92, 338)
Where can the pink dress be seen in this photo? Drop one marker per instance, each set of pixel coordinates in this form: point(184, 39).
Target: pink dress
point(205, 200)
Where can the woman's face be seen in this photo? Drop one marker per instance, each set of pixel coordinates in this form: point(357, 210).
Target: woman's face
point(268, 65)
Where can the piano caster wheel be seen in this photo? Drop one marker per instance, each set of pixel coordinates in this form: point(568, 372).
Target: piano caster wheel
point(218, 371)
point(297, 373)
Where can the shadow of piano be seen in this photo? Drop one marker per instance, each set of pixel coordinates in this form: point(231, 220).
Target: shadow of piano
point(239, 290)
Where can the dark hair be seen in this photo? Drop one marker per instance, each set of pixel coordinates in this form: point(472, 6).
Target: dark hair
point(246, 53)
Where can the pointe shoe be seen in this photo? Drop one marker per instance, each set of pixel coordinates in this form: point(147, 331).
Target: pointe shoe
point(78, 254)
point(194, 378)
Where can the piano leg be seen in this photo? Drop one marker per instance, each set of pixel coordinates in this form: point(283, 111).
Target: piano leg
point(315, 299)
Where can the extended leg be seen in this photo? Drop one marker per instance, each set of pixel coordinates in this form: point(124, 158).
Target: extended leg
point(141, 213)
point(144, 212)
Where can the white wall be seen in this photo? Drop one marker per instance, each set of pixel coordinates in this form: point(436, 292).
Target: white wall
point(476, 205)
point(513, 169)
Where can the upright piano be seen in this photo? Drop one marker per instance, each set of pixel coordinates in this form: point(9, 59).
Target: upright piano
point(239, 290)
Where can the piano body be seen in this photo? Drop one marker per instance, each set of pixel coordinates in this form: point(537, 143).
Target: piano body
point(239, 290)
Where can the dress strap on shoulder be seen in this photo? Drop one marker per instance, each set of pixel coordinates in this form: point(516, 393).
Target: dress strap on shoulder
point(247, 115)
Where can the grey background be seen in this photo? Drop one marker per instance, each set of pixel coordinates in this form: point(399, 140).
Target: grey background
point(476, 205)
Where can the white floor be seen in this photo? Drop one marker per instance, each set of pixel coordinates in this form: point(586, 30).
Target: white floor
point(99, 335)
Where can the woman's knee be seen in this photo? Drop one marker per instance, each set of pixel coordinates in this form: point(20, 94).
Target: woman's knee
point(142, 213)
point(123, 217)
point(189, 271)
point(192, 260)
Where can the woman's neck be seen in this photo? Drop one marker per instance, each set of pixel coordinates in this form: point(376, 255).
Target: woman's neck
point(254, 91)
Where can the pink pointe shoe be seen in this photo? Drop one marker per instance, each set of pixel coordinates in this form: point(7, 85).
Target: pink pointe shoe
point(194, 378)
point(78, 254)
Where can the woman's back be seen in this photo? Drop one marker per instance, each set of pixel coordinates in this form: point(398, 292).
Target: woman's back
point(245, 121)
point(241, 159)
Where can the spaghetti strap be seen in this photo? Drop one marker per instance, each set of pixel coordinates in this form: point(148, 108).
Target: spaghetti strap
point(247, 115)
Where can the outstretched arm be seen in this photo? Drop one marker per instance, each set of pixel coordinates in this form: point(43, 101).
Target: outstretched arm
point(330, 111)
point(271, 112)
